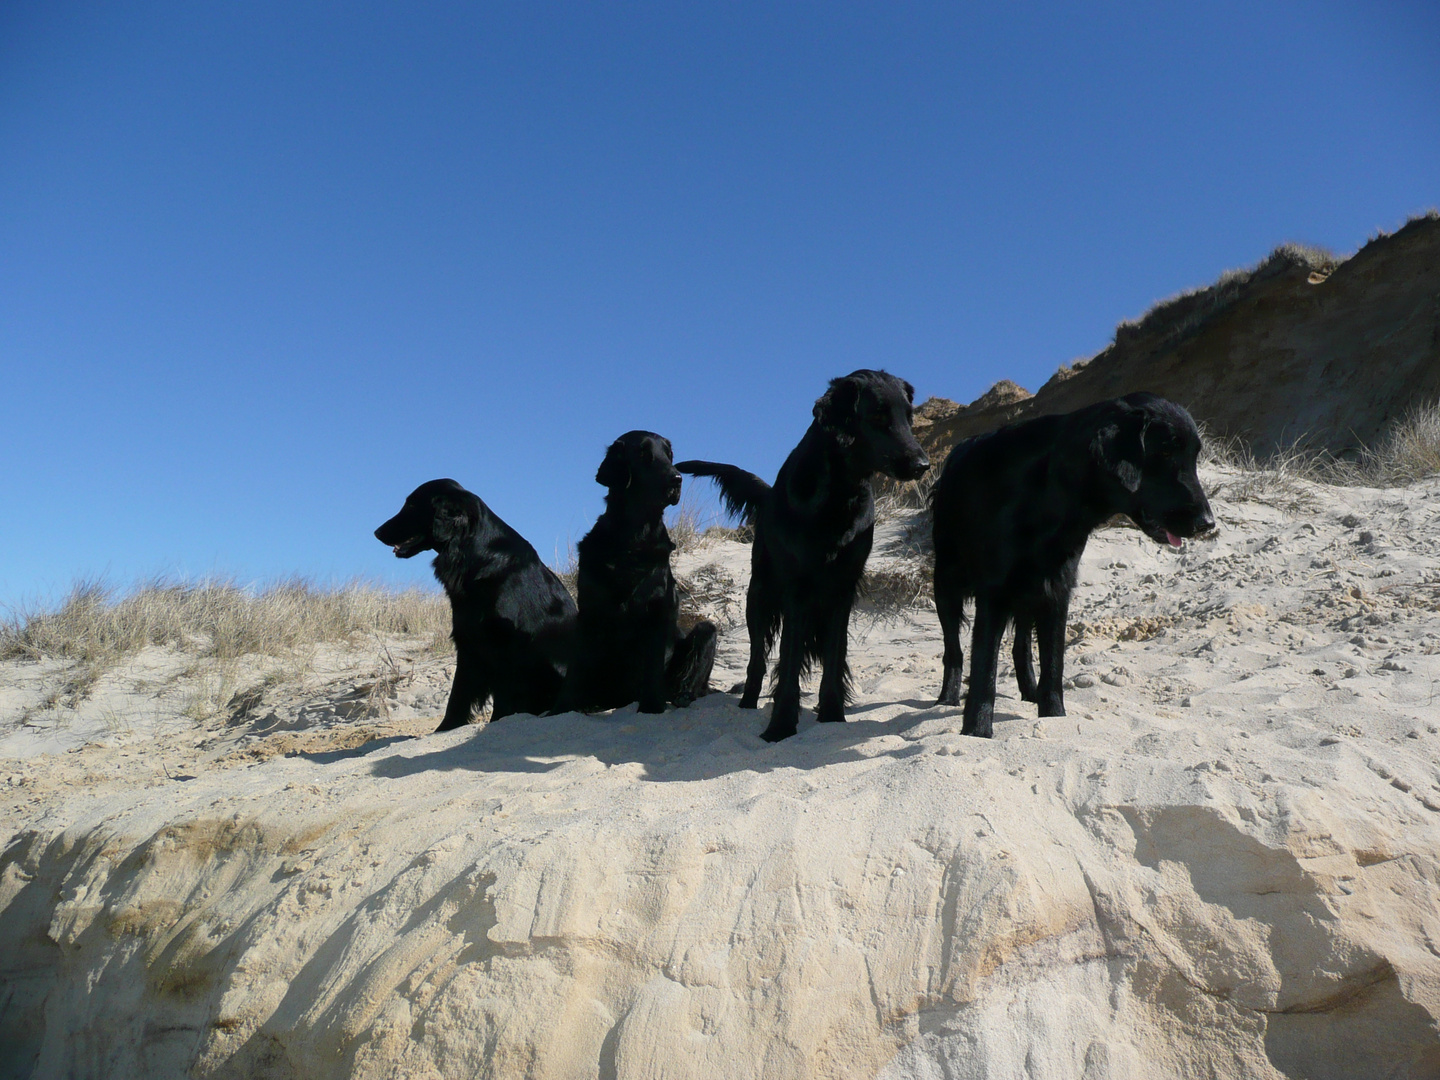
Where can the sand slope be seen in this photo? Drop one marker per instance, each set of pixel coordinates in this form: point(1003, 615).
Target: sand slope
point(1224, 862)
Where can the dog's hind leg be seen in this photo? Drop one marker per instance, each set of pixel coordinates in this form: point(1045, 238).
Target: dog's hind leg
point(688, 675)
point(785, 713)
point(949, 606)
point(760, 619)
point(834, 681)
point(1050, 631)
point(984, 652)
point(1024, 665)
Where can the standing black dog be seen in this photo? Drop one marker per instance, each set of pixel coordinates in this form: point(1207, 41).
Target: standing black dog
point(1013, 510)
point(629, 647)
point(512, 619)
point(813, 532)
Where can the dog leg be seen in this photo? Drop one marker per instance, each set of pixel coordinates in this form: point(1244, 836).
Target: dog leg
point(785, 713)
point(688, 675)
point(836, 676)
point(1024, 665)
point(760, 621)
point(503, 707)
point(984, 652)
point(652, 670)
point(1050, 629)
point(466, 691)
point(949, 606)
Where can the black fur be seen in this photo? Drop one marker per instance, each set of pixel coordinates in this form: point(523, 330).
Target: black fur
point(1013, 510)
point(813, 532)
point(629, 647)
point(512, 619)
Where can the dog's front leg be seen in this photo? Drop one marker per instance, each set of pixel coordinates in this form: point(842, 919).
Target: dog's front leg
point(652, 668)
point(835, 680)
point(468, 689)
point(1050, 629)
point(984, 652)
point(785, 712)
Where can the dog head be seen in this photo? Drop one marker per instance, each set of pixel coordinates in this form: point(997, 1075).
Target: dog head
point(639, 469)
point(1147, 448)
point(869, 413)
point(434, 514)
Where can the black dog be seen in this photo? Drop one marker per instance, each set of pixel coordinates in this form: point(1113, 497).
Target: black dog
point(629, 647)
point(1013, 510)
point(512, 619)
point(813, 532)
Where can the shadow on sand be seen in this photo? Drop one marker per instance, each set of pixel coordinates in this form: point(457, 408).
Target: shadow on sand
point(711, 738)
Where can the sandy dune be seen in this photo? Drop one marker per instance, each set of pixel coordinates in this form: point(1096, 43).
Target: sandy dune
point(1224, 862)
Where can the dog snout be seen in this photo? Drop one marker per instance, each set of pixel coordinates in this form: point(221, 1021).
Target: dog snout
point(915, 466)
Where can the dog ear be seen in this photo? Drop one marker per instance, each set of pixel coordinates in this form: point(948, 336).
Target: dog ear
point(1119, 447)
point(835, 410)
point(454, 517)
point(614, 471)
point(909, 391)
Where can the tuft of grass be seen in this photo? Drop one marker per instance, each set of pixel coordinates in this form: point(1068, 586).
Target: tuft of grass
point(566, 565)
point(741, 534)
point(218, 620)
point(1408, 451)
point(896, 586)
point(709, 592)
point(1284, 479)
point(895, 497)
point(686, 526)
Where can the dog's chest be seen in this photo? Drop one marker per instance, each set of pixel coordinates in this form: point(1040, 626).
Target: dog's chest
point(639, 581)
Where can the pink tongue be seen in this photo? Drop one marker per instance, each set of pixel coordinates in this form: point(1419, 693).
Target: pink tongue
point(1173, 540)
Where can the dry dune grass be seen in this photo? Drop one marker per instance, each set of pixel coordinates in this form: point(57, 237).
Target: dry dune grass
point(96, 628)
point(1409, 451)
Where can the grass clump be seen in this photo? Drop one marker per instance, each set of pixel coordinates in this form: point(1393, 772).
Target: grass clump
point(215, 619)
point(1409, 451)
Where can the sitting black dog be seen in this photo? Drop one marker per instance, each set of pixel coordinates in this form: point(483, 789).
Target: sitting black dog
point(629, 647)
point(813, 533)
point(1012, 512)
point(512, 620)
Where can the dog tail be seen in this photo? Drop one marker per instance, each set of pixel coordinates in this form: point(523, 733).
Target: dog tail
point(742, 492)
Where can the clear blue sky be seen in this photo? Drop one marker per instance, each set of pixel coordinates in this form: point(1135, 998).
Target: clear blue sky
point(265, 267)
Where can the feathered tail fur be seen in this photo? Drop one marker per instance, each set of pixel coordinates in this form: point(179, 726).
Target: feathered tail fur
point(742, 492)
